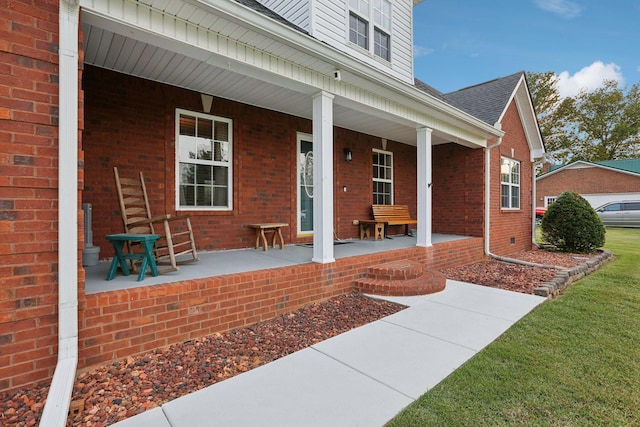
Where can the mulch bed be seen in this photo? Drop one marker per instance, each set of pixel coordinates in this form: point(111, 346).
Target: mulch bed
point(133, 385)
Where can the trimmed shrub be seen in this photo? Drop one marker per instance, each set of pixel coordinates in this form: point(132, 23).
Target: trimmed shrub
point(572, 225)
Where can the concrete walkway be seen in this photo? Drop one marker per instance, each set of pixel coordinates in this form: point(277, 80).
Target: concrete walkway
point(360, 378)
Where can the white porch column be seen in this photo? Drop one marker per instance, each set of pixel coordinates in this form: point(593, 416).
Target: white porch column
point(424, 187)
point(323, 178)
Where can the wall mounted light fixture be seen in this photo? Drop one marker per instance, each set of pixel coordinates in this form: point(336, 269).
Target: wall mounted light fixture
point(347, 154)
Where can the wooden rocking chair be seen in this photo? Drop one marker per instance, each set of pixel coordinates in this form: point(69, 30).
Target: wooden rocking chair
point(176, 239)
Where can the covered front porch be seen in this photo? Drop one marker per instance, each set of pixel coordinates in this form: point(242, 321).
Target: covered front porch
point(218, 263)
point(236, 288)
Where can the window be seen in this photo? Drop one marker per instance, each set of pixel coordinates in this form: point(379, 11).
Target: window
point(203, 152)
point(382, 177)
point(548, 200)
point(364, 12)
point(510, 180)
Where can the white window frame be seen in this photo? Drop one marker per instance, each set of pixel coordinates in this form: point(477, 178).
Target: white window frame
point(548, 200)
point(506, 168)
point(224, 163)
point(377, 14)
point(382, 180)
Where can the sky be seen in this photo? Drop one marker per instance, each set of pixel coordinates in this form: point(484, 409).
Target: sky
point(460, 43)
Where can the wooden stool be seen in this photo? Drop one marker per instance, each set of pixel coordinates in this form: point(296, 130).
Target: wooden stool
point(269, 227)
point(120, 258)
point(378, 229)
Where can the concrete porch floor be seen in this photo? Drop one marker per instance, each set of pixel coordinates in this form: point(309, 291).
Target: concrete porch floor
point(217, 263)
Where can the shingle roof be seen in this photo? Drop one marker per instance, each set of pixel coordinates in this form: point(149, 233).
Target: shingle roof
point(488, 100)
point(259, 7)
point(430, 90)
point(626, 165)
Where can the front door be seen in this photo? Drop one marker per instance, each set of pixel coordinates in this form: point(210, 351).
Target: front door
point(305, 184)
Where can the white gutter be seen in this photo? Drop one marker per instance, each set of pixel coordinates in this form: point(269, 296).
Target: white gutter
point(487, 195)
point(57, 407)
point(534, 197)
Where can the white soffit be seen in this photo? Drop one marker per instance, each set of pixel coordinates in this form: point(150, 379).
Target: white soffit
point(176, 43)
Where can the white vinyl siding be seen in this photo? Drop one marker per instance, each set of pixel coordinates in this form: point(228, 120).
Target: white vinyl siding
point(330, 24)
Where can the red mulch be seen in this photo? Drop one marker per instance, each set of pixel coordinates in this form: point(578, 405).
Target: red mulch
point(513, 277)
point(130, 386)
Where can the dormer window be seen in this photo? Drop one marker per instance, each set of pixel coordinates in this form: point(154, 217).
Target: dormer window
point(363, 13)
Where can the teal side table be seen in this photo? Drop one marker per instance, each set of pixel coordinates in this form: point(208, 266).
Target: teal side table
point(120, 258)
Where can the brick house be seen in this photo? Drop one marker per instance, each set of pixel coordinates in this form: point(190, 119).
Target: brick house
point(598, 182)
point(90, 85)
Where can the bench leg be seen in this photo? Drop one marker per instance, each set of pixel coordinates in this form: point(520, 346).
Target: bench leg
point(265, 245)
point(278, 231)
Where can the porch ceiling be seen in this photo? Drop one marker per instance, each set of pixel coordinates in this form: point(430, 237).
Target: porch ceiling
point(117, 45)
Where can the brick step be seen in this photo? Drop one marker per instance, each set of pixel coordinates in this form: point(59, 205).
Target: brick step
point(396, 270)
point(400, 278)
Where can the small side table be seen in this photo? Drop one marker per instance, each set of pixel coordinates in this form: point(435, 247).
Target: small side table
point(269, 227)
point(378, 229)
point(120, 258)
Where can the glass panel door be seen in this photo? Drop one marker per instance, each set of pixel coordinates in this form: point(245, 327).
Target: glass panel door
point(305, 184)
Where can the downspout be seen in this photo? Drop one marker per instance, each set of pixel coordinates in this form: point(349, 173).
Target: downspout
point(487, 196)
point(487, 216)
point(534, 197)
point(59, 398)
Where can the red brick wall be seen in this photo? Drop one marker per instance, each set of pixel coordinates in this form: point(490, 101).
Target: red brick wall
point(127, 322)
point(133, 127)
point(511, 224)
point(28, 191)
point(458, 190)
point(591, 180)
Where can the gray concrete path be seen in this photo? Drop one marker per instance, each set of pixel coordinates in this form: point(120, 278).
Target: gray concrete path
point(360, 378)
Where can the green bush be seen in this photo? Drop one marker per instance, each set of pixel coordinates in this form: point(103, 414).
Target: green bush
point(572, 225)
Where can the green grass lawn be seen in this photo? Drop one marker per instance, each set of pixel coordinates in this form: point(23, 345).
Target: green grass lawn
point(573, 361)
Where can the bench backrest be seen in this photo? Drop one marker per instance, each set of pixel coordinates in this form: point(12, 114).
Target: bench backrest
point(390, 211)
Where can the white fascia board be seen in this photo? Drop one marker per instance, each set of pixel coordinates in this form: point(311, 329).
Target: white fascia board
point(528, 118)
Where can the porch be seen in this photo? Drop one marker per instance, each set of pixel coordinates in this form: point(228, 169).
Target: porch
point(218, 263)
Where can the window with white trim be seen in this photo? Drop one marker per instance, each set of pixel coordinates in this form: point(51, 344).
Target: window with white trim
point(382, 177)
point(203, 158)
point(362, 13)
point(510, 183)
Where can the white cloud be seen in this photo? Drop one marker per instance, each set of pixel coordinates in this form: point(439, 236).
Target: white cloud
point(421, 51)
point(589, 78)
point(563, 8)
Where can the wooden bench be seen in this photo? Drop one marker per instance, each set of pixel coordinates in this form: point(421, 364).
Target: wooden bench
point(383, 216)
point(269, 227)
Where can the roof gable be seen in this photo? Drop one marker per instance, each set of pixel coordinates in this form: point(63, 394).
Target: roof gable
point(489, 102)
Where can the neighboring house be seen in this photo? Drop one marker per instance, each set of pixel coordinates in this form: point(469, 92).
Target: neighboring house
point(598, 182)
point(94, 84)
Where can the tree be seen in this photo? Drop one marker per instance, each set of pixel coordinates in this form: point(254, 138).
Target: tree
point(550, 110)
point(572, 225)
point(600, 125)
point(604, 124)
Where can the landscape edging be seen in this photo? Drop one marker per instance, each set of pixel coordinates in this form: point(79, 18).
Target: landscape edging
point(565, 277)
